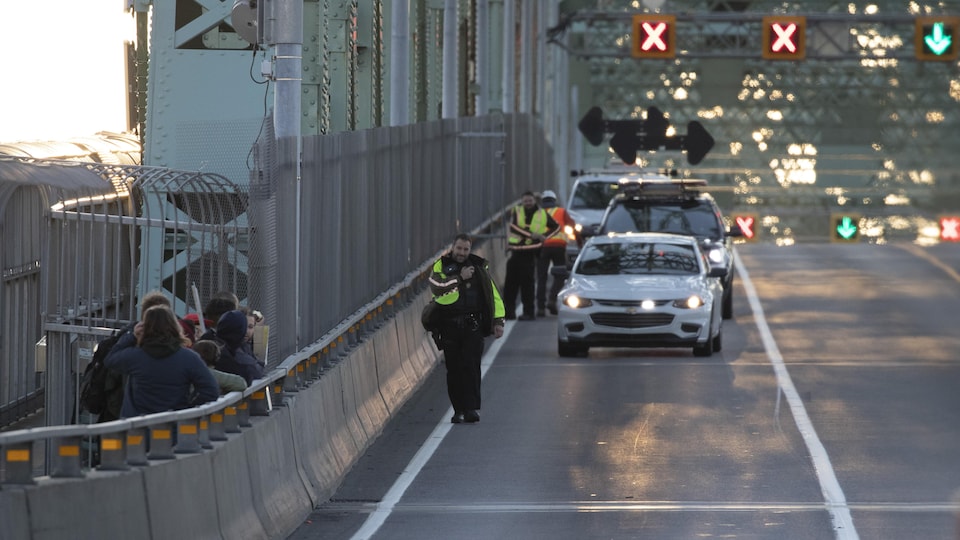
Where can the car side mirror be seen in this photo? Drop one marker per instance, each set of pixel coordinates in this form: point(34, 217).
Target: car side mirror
point(590, 230)
point(560, 272)
point(734, 231)
point(718, 271)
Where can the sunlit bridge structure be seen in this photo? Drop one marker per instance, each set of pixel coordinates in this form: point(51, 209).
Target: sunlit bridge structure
point(857, 119)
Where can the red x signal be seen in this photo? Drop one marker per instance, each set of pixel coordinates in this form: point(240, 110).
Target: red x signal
point(748, 224)
point(784, 38)
point(950, 228)
point(654, 36)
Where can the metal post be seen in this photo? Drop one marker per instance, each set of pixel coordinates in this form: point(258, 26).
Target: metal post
point(450, 108)
point(482, 25)
point(400, 63)
point(526, 59)
point(509, 38)
point(287, 38)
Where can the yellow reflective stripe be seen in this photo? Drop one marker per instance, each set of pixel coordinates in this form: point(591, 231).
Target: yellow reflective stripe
point(17, 456)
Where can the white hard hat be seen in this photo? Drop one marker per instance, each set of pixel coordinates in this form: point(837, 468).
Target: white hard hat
point(548, 194)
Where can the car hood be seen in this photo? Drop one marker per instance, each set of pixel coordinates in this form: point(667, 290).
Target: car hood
point(586, 216)
point(636, 287)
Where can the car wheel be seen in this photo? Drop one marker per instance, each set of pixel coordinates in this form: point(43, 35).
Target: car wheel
point(718, 341)
point(567, 350)
point(703, 350)
point(727, 304)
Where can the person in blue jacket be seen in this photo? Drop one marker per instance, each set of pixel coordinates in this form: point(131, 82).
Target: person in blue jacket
point(163, 373)
point(235, 357)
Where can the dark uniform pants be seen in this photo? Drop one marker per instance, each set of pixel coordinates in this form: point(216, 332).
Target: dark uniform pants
point(521, 269)
point(557, 255)
point(462, 340)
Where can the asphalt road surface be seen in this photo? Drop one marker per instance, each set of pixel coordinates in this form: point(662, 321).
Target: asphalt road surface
point(831, 412)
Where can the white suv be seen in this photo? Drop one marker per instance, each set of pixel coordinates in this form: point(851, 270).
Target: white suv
point(591, 195)
point(677, 207)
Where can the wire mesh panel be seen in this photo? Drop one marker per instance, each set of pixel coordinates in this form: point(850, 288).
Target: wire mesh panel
point(374, 205)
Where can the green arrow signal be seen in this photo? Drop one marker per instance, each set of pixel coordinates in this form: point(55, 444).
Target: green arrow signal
point(846, 229)
point(937, 40)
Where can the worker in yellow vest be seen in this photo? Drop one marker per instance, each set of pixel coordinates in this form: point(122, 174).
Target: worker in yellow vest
point(530, 225)
point(554, 251)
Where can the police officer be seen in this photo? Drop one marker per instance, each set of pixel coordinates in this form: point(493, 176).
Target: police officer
point(470, 309)
point(554, 251)
point(530, 225)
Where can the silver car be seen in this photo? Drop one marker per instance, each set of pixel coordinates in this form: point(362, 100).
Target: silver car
point(641, 290)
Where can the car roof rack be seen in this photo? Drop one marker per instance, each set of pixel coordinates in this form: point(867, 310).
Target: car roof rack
point(639, 187)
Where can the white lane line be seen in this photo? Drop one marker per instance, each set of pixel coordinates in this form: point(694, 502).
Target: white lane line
point(833, 495)
point(650, 506)
point(385, 507)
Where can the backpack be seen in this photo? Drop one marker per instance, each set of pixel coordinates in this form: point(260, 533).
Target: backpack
point(93, 393)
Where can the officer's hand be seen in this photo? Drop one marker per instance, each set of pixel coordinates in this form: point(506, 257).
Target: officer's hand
point(467, 272)
point(538, 237)
point(498, 331)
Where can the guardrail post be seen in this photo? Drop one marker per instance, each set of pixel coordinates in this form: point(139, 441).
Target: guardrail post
point(291, 383)
point(204, 433)
point(243, 413)
point(188, 437)
point(258, 402)
point(388, 312)
point(313, 369)
point(161, 441)
point(113, 452)
point(278, 396)
point(137, 446)
point(18, 461)
point(68, 458)
point(231, 421)
point(218, 426)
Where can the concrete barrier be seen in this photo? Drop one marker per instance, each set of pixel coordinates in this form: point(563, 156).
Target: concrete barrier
point(394, 382)
point(14, 515)
point(279, 495)
point(361, 386)
point(104, 505)
point(234, 493)
point(323, 460)
point(181, 498)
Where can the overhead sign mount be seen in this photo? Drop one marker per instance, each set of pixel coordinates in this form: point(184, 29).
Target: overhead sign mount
point(634, 135)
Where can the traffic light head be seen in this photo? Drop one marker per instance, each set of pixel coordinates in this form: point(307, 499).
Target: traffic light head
point(654, 36)
point(935, 38)
point(845, 228)
point(784, 38)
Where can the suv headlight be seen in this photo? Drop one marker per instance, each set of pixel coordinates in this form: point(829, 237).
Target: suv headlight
point(577, 302)
point(717, 255)
point(691, 302)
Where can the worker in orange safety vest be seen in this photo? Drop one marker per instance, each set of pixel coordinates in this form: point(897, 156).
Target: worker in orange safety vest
point(554, 251)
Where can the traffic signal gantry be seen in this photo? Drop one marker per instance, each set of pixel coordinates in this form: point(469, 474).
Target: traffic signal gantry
point(784, 37)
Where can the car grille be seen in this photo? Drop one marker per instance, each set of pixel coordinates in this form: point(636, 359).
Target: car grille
point(628, 303)
point(632, 320)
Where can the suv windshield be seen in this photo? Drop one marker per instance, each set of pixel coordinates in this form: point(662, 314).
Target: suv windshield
point(638, 258)
point(593, 195)
point(688, 217)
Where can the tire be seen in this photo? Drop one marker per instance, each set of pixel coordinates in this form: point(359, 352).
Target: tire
point(727, 304)
point(703, 350)
point(718, 341)
point(567, 350)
